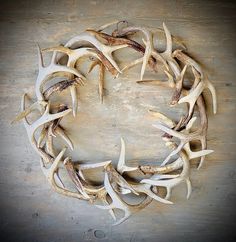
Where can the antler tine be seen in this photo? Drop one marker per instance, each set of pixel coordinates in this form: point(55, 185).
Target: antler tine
point(92, 165)
point(40, 57)
point(167, 54)
point(168, 50)
point(49, 141)
point(130, 65)
point(62, 134)
point(101, 28)
point(147, 189)
point(42, 136)
point(174, 38)
point(40, 105)
point(162, 117)
point(148, 52)
point(121, 166)
point(178, 87)
point(101, 82)
point(74, 97)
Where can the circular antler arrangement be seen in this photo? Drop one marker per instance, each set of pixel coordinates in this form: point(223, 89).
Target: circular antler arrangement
point(99, 47)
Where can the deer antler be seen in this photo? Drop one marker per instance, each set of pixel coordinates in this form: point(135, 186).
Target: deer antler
point(170, 183)
point(149, 49)
point(31, 128)
point(106, 50)
point(114, 176)
point(52, 70)
point(118, 203)
point(200, 134)
point(50, 175)
point(197, 89)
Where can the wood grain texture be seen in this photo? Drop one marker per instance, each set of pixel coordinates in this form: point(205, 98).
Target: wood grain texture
point(30, 210)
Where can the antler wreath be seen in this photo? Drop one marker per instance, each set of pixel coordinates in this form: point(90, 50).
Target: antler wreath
point(99, 47)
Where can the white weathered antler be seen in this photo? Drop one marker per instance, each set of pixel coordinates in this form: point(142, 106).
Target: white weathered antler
point(197, 89)
point(167, 54)
point(118, 203)
point(193, 95)
point(147, 189)
point(170, 183)
point(199, 134)
point(186, 145)
point(51, 71)
point(121, 166)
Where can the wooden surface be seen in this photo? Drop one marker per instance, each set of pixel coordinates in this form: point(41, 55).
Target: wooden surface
point(30, 210)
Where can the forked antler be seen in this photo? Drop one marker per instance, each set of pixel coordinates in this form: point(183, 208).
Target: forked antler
point(185, 138)
point(51, 71)
point(50, 175)
point(150, 52)
point(105, 49)
point(163, 181)
point(118, 203)
point(31, 128)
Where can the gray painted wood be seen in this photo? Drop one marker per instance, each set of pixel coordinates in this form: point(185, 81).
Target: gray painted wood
point(30, 210)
